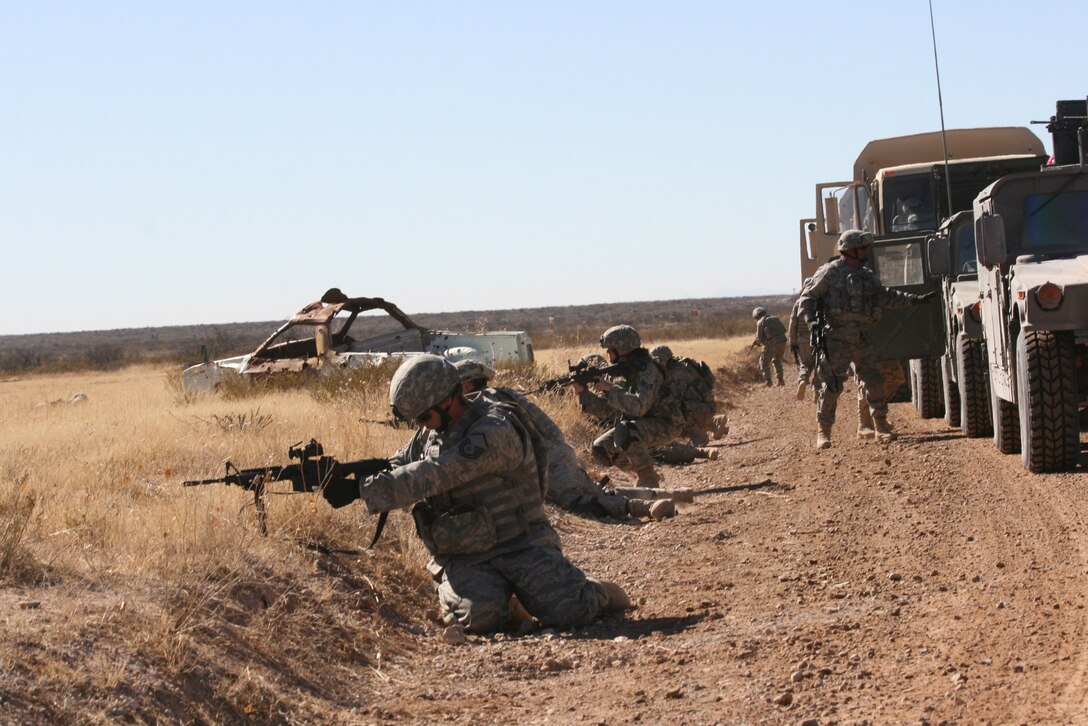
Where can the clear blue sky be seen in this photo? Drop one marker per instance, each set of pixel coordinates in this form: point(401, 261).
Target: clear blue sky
point(209, 162)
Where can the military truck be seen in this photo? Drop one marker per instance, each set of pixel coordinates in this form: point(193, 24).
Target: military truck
point(1031, 237)
point(900, 192)
point(951, 257)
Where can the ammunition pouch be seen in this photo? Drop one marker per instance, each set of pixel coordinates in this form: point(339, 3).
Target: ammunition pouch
point(463, 532)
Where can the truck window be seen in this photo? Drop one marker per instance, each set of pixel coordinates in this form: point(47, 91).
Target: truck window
point(899, 265)
point(963, 242)
point(1055, 221)
point(855, 210)
point(908, 203)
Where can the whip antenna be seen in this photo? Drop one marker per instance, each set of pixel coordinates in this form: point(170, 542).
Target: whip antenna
point(940, 105)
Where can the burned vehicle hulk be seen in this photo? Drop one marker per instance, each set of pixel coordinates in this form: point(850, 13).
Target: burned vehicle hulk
point(318, 338)
point(1031, 236)
point(951, 257)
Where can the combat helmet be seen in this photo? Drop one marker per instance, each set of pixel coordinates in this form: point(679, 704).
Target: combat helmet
point(621, 338)
point(421, 383)
point(853, 239)
point(758, 313)
point(470, 370)
point(596, 360)
point(661, 354)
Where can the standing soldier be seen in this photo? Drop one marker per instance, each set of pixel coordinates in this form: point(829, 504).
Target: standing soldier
point(475, 475)
point(771, 334)
point(800, 345)
point(634, 402)
point(843, 302)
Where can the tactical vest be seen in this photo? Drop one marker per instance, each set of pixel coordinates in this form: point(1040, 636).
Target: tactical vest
point(481, 514)
point(853, 296)
point(773, 329)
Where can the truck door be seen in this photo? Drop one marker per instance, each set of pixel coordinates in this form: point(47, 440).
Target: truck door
point(916, 331)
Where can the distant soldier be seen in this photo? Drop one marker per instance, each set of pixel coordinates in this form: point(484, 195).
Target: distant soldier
point(691, 384)
point(569, 485)
point(633, 401)
point(771, 334)
point(472, 472)
point(847, 299)
point(800, 345)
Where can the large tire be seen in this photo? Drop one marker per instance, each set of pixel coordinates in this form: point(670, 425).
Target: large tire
point(925, 381)
point(974, 388)
point(1006, 422)
point(951, 393)
point(1046, 377)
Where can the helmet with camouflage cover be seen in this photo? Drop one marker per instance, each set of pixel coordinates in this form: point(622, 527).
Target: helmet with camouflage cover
point(853, 239)
point(594, 360)
point(470, 370)
point(621, 338)
point(758, 313)
point(661, 354)
point(422, 382)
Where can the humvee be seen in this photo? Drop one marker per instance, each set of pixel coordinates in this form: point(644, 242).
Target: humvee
point(951, 257)
point(900, 192)
point(1031, 237)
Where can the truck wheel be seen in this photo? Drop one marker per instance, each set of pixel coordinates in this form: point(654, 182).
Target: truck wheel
point(1006, 422)
point(926, 387)
point(974, 388)
point(951, 393)
point(1046, 382)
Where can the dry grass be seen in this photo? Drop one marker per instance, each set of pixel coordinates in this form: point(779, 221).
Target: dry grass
point(126, 593)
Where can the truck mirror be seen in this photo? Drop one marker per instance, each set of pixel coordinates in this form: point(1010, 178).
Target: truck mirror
point(990, 240)
point(937, 264)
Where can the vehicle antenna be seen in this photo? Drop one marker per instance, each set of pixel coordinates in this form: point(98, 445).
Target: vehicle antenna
point(940, 105)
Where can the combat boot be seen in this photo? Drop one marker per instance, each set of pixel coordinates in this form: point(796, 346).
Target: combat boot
point(866, 430)
point(648, 478)
point(801, 386)
point(662, 509)
point(884, 432)
point(616, 598)
point(823, 438)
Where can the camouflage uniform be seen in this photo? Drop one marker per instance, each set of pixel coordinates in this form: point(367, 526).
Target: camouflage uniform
point(480, 512)
point(771, 334)
point(797, 336)
point(691, 384)
point(853, 301)
point(569, 486)
point(644, 418)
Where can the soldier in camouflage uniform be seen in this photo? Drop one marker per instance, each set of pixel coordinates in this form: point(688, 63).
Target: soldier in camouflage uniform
point(569, 485)
point(472, 472)
point(892, 373)
point(691, 384)
point(771, 334)
point(800, 345)
point(633, 401)
point(852, 299)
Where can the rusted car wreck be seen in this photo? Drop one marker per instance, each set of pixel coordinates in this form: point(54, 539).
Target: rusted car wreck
point(318, 337)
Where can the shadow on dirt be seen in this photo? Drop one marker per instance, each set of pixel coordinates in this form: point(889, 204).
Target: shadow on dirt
point(635, 629)
point(765, 484)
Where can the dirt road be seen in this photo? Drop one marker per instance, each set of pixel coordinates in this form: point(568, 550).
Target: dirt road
point(927, 581)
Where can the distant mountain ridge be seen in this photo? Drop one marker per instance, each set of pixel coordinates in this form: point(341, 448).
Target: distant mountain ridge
point(546, 325)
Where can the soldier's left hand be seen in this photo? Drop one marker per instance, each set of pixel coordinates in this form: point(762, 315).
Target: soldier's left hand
point(340, 492)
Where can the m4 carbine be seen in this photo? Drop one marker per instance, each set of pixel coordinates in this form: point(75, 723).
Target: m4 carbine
point(312, 472)
point(581, 373)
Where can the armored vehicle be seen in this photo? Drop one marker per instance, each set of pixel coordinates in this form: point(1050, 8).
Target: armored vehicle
point(951, 257)
point(1031, 236)
point(318, 337)
point(902, 188)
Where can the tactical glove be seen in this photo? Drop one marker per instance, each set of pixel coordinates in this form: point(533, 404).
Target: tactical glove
point(340, 492)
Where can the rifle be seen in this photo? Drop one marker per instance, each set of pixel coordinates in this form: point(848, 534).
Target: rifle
point(821, 361)
point(312, 472)
point(581, 373)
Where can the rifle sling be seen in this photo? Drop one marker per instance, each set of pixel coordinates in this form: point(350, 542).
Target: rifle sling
point(378, 529)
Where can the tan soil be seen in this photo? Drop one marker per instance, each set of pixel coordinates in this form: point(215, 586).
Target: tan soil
point(926, 581)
